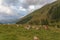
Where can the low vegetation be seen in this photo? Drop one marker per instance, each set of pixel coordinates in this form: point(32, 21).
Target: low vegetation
point(19, 32)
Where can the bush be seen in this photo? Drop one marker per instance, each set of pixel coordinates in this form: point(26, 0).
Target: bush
point(44, 22)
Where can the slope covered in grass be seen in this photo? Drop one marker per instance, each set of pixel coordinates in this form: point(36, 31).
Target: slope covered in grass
point(12, 32)
point(49, 14)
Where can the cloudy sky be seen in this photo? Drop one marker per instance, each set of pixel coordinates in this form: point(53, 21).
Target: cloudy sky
point(12, 10)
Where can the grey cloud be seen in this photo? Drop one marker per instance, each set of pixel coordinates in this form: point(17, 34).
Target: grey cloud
point(37, 2)
point(27, 3)
point(11, 2)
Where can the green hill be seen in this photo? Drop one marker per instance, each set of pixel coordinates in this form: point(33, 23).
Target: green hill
point(49, 14)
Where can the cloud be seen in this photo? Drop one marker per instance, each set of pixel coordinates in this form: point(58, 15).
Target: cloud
point(38, 2)
point(4, 9)
point(1, 2)
point(22, 9)
point(11, 2)
point(31, 7)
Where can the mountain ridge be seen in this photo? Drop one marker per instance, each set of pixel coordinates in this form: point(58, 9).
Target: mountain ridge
point(49, 14)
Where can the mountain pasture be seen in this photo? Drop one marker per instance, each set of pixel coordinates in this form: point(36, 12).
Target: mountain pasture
point(19, 32)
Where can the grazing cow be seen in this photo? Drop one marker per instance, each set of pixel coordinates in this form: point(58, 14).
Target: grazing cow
point(37, 28)
point(36, 38)
point(17, 25)
point(33, 27)
point(28, 27)
point(45, 27)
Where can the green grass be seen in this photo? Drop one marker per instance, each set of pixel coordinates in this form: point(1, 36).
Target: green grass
point(12, 32)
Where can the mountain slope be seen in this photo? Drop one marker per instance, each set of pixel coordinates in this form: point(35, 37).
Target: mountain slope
point(46, 15)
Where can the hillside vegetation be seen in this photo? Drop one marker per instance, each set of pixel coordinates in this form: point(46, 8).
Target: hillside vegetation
point(47, 15)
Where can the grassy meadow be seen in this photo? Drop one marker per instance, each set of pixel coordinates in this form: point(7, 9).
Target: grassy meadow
point(19, 32)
